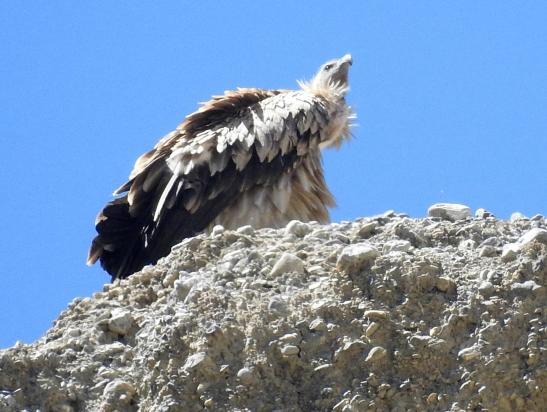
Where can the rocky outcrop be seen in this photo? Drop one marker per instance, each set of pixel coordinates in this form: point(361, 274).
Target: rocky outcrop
point(383, 313)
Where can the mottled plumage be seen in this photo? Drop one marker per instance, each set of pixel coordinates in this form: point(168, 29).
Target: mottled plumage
point(249, 156)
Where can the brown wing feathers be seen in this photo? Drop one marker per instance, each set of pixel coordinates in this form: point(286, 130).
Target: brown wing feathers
point(129, 238)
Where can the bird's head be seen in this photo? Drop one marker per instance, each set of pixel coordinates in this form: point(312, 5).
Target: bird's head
point(332, 77)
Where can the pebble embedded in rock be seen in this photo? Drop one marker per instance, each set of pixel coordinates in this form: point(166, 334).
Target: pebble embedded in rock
point(515, 216)
point(376, 314)
point(486, 289)
point(397, 246)
point(297, 228)
point(245, 230)
point(488, 251)
point(217, 230)
point(288, 263)
point(469, 354)
point(445, 284)
point(246, 376)
point(482, 213)
point(367, 230)
point(354, 257)
point(120, 322)
point(533, 235)
point(449, 211)
point(194, 360)
point(118, 393)
point(290, 350)
point(376, 354)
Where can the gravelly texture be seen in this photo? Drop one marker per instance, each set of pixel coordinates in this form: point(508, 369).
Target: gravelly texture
point(383, 313)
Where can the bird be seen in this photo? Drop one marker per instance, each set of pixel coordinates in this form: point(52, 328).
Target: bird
point(247, 157)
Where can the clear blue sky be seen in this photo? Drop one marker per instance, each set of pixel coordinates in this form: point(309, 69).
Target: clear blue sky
point(451, 100)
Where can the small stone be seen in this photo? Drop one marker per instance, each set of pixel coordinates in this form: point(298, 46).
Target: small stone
point(119, 392)
point(120, 322)
point(353, 346)
point(208, 403)
point(533, 235)
point(291, 338)
point(396, 246)
point(287, 263)
point(371, 329)
point(483, 213)
point(517, 216)
point(467, 385)
point(432, 399)
point(196, 361)
point(367, 230)
point(217, 230)
point(245, 230)
point(469, 354)
point(354, 257)
point(525, 287)
point(297, 228)
point(509, 252)
point(325, 367)
point(376, 314)
point(246, 376)
point(202, 387)
point(491, 241)
point(488, 251)
point(183, 286)
point(290, 350)
point(486, 289)
point(445, 284)
point(449, 211)
point(318, 325)
point(376, 354)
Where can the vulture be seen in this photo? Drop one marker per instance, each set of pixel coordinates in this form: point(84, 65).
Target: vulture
point(247, 157)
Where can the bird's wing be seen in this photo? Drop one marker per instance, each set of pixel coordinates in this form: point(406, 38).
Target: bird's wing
point(235, 142)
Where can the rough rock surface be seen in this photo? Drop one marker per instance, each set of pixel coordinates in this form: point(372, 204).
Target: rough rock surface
point(383, 313)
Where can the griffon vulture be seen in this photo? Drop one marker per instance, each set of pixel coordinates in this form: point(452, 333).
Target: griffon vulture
point(248, 157)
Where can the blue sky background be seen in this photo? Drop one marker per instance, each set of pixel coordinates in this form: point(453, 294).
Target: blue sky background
point(451, 100)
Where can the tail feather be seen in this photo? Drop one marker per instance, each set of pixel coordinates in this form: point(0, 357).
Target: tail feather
point(117, 243)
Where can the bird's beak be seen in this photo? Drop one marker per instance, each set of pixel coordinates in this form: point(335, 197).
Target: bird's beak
point(347, 59)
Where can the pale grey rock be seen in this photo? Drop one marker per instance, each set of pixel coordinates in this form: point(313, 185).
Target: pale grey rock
point(469, 354)
point(449, 211)
point(354, 257)
point(297, 228)
point(217, 230)
point(117, 395)
point(435, 326)
point(367, 229)
point(290, 350)
point(376, 355)
point(245, 230)
point(482, 213)
point(510, 252)
point(120, 322)
point(486, 289)
point(246, 376)
point(397, 246)
point(488, 251)
point(516, 216)
point(445, 284)
point(533, 235)
point(288, 263)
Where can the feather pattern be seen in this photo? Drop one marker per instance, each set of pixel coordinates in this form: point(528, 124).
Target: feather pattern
point(249, 156)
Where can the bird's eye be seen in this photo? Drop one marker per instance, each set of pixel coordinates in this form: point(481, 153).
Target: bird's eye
point(328, 66)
